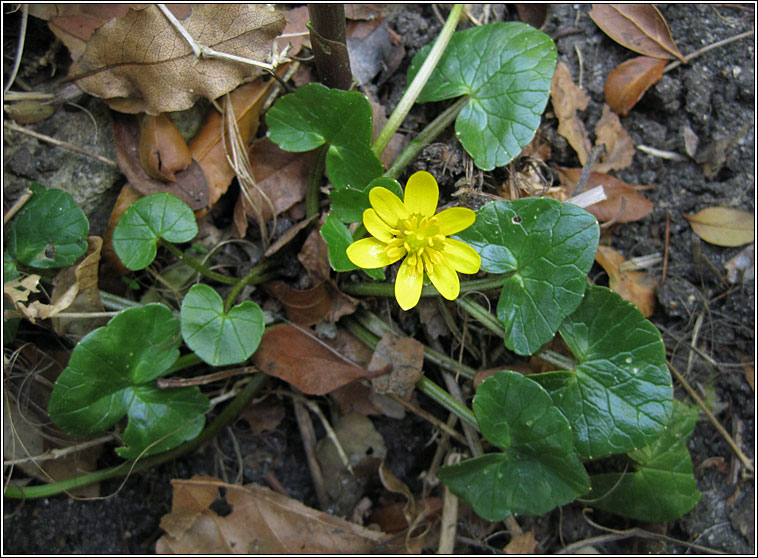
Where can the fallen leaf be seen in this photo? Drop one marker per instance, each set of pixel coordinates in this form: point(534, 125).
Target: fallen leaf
point(391, 517)
point(314, 256)
point(264, 416)
point(190, 185)
point(623, 204)
point(162, 149)
point(294, 356)
point(638, 27)
point(405, 357)
point(741, 268)
point(567, 98)
point(533, 14)
point(261, 522)
point(141, 63)
point(304, 307)
point(627, 82)
point(750, 376)
point(18, 291)
point(373, 53)
point(723, 226)
point(287, 236)
point(619, 148)
point(635, 286)
point(524, 543)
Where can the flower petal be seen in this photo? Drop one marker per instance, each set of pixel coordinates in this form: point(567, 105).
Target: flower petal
point(445, 280)
point(388, 206)
point(376, 226)
point(422, 193)
point(369, 253)
point(408, 285)
point(461, 256)
point(455, 219)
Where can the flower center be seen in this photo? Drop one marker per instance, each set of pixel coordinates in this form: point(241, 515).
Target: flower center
point(419, 237)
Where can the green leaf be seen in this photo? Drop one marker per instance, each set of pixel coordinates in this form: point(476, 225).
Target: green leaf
point(548, 247)
point(156, 216)
point(50, 231)
point(619, 396)
point(216, 336)
point(662, 486)
point(338, 238)
point(112, 373)
point(539, 468)
point(349, 203)
point(315, 115)
point(506, 70)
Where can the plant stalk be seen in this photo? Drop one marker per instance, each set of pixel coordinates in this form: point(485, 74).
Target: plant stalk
point(199, 266)
point(388, 289)
point(253, 277)
point(419, 81)
point(327, 28)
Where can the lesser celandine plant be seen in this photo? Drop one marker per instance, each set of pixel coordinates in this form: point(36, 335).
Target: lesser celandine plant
point(610, 395)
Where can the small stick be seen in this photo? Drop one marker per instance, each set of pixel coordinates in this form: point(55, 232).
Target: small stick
point(59, 143)
point(745, 460)
point(595, 153)
point(308, 436)
point(666, 248)
point(581, 62)
point(707, 48)
point(18, 205)
point(331, 434)
point(164, 383)
point(449, 520)
point(60, 452)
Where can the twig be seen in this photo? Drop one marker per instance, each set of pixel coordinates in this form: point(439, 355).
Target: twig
point(308, 436)
point(595, 153)
point(18, 205)
point(164, 383)
point(588, 198)
point(449, 519)
point(707, 48)
point(581, 63)
point(27, 96)
point(670, 155)
point(20, 50)
point(59, 143)
point(745, 460)
point(330, 433)
point(61, 452)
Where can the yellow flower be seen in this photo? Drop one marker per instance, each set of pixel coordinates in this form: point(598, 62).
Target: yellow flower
point(410, 228)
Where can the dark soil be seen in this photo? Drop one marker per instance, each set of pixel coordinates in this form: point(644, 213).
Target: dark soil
point(713, 96)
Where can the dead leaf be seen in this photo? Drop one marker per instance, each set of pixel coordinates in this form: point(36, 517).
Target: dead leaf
point(623, 204)
point(635, 286)
point(315, 257)
point(391, 517)
point(723, 226)
point(287, 235)
point(741, 268)
point(627, 82)
point(264, 416)
point(208, 149)
point(290, 354)
point(525, 543)
point(304, 307)
point(405, 357)
point(141, 63)
point(18, 291)
point(190, 185)
point(638, 27)
point(619, 148)
point(567, 98)
point(750, 376)
point(533, 14)
point(261, 522)
point(162, 149)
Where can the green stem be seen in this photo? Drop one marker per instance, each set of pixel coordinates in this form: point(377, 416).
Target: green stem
point(388, 289)
point(418, 83)
point(199, 266)
point(425, 385)
point(225, 417)
point(253, 277)
point(115, 302)
point(425, 137)
point(315, 174)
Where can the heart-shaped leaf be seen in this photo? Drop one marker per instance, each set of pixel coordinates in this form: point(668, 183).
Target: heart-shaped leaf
point(548, 248)
point(338, 238)
point(662, 488)
point(349, 203)
point(538, 469)
point(50, 231)
point(315, 115)
point(111, 373)
point(216, 336)
point(619, 396)
point(156, 216)
point(506, 69)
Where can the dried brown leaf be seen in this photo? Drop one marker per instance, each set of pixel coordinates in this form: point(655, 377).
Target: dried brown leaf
point(623, 204)
point(304, 307)
point(627, 82)
point(523, 543)
point(314, 257)
point(190, 185)
point(723, 226)
point(619, 148)
point(567, 99)
point(264, 416)
point(162, 149)
point(638, 27)
point(635, 286)
point(294, 356)
point(405, 357)
point(141, 63)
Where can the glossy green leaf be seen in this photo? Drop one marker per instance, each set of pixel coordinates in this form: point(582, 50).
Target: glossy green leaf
point(548, 248)
point(50, 231)
point(148, 219)
point(338, 238)
point(315, 115)
point(112, 373)
point(216, 336)
point(349, 203)
point(619, 396)
point(661, 486)
point(506, 70)
point(538, 469)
